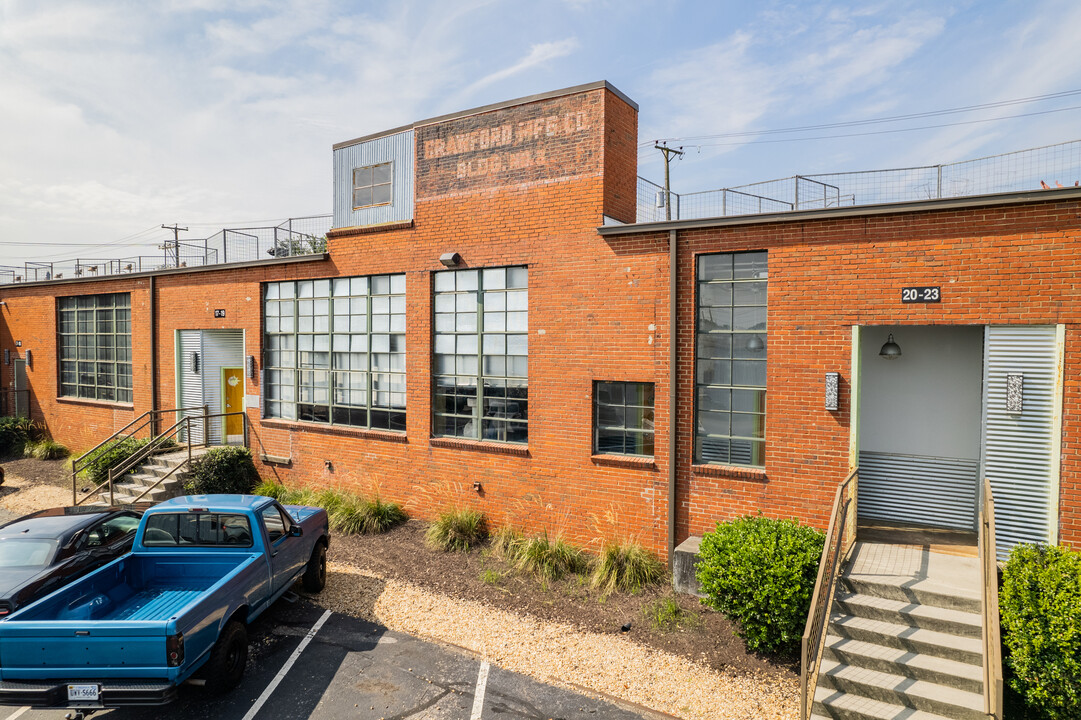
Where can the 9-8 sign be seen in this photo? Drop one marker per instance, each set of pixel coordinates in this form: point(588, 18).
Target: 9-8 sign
point(921, 295)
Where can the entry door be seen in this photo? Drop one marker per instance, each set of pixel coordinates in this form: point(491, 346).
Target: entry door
point(22, 391)
point(232, 400)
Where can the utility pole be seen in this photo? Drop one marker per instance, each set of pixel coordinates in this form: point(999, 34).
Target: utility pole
point(668, 153)
point(176, 244)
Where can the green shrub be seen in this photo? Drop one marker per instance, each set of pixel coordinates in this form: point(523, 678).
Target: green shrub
point(45, 450)
point(222, 470)
point(1040, 605)
point(457, 529)
point(15, 432)
point(549, 559)
point(626, 566)
point(109, 456)
point(761, 573)
point(666, 615)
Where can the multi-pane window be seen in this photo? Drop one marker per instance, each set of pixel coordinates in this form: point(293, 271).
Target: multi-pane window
point(623, 418)
point(731, 359)
point(94, 333)
point(481, 354)
point(372, 185)
point(335, 351)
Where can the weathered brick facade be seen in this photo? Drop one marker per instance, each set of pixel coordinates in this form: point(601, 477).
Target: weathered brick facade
point(529, 184)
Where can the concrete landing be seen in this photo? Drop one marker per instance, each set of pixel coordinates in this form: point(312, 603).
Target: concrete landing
point(917, 569)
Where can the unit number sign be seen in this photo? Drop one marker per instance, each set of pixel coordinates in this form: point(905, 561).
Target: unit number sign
point(921, 294)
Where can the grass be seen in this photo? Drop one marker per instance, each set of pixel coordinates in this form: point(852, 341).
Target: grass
point(457, 529)
point(627, 567)
point(45, 450)
point(549, 558)
point(348, 513)
point(666, 615)
point(491, 577)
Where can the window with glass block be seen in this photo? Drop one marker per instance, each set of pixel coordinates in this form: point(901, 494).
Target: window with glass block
point(482, 354)
point(731, 359)
point(623, 418)
point(94, 338)
point(334, 351)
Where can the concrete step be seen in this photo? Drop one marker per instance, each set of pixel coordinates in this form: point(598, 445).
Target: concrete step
point(897, 690)
point(905, 637)
point(921, 591)
point(929, 617)
point(156, 495)
point(832, 705)
point(962, 676)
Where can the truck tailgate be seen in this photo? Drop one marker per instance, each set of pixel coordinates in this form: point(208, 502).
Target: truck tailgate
point(75, 650)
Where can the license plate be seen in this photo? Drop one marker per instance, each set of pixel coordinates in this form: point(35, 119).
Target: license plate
point(83, 693)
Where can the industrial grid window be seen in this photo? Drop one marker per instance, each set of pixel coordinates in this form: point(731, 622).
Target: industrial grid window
point(623, 418)
point(731, 359)
point(335, 351)
point(372, 185)
point(481, 354)
point(94, 336)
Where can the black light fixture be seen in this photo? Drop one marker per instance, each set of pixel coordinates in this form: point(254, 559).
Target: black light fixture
point(30, 359)
point(890, 349)
point(193, 360)
point(250, 362)
point(450, 259)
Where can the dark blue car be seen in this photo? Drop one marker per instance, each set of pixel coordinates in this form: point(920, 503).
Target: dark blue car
point(50, 548)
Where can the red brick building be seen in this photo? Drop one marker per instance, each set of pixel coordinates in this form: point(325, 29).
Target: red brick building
point(490, 327)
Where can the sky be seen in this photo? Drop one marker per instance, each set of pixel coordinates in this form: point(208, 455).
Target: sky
point(119, 116)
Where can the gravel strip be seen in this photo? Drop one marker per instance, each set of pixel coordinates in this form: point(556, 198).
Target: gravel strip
point(559, 654)
point(23, 496)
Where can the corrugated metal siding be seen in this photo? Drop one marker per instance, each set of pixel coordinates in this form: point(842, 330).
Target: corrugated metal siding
point(396, 148)
point(1019, 449)
point(221, 348)
point(920, 490)
point(189, 384)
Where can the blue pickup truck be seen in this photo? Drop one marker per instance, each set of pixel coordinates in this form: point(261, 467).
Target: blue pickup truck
point(176, 607)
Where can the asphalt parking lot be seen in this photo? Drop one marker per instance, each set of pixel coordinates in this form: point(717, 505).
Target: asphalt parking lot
point(305, 662)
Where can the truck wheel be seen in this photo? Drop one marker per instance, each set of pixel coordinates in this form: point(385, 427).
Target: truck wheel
point(227, 659)
point(315, 577)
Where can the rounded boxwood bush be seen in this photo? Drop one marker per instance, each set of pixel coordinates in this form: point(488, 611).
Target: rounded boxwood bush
point(761, 573)
point(1040, 605)
point(222, 470)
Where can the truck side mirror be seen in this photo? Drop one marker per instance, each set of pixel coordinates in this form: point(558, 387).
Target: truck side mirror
point(295, 531)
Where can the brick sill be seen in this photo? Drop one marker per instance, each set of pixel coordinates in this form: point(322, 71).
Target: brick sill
point(480, 446)
point(731, 471)
point(630, 461)
point(96, 403)
point(367, 433)
point(365, 229)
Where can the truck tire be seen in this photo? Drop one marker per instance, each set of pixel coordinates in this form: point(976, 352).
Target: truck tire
point(227, 659)
point(315, 577)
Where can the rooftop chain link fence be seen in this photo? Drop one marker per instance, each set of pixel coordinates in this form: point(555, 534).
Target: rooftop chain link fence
point(1045, 167)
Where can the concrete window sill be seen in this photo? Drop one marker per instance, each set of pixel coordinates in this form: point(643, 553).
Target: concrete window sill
point(357, 432)
point(96, 403)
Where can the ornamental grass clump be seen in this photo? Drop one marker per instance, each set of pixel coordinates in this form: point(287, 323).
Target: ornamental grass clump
point(457, 529)
point(761, 573)
point(550, 558)
point(347, 513)
point(1040, 606)
point(626, 566)
point(45, 450)
point(15, 433)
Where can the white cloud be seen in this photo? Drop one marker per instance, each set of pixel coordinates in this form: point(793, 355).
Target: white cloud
point(538, 55)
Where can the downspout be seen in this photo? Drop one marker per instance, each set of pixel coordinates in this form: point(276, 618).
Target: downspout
point(673, 338)
point(153, 356)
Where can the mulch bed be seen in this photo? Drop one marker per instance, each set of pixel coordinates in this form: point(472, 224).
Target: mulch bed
point(403, 554)
point(53, 472)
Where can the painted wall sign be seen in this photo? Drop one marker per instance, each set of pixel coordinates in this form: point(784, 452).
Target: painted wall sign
point(219, 313)
point(921, 294)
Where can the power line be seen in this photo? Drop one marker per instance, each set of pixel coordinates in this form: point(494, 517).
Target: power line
point(894, 118)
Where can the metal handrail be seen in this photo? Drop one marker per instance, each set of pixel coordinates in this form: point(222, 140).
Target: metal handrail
point(840, 539)
point(992, 640)
point(79, 463)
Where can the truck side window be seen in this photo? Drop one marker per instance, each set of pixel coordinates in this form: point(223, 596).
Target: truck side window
point(275, 525)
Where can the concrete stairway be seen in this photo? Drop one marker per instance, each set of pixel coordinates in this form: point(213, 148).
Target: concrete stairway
point(904, 638)
point(149, 472)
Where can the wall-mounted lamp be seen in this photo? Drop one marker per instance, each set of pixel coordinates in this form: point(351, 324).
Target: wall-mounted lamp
point(833, 382)
point(450, 259)
point(193, 361)
point(30, 359)
point(2, 303)
point(7, 357)
point(890, 349)
point(250, 362)
point(1015, 393)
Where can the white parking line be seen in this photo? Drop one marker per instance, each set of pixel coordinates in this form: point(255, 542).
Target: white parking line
point(17, 713)
point(482, 684)
point(285, 668)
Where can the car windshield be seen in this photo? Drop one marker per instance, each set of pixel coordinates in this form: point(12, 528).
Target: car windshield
point(25, 552)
